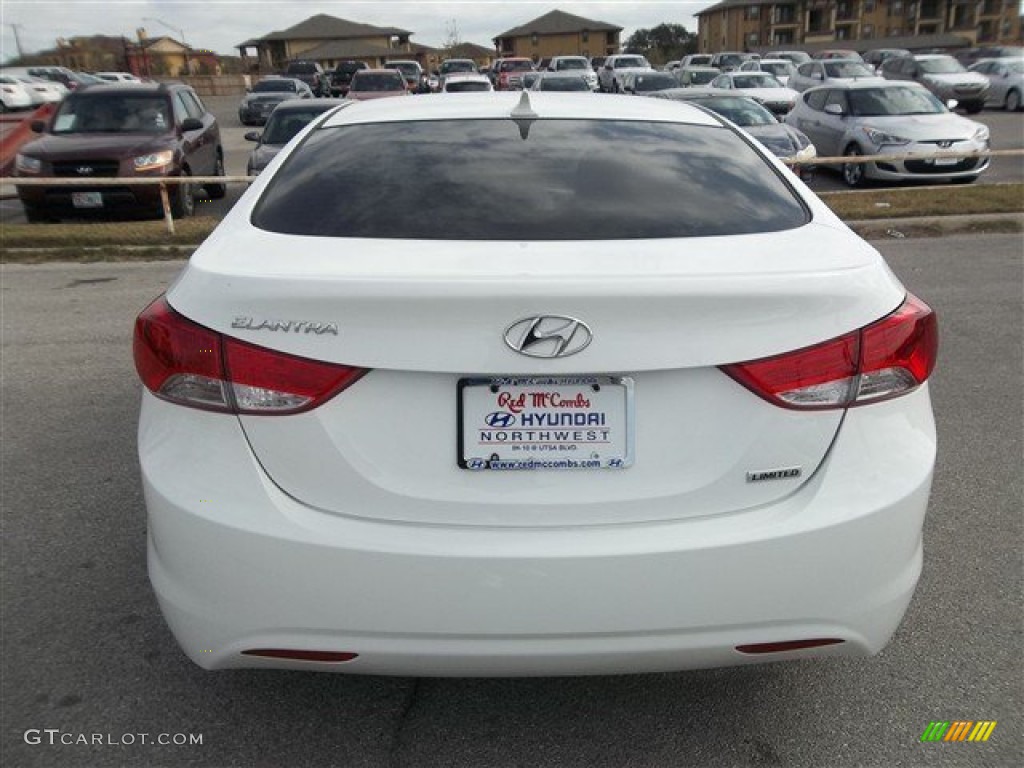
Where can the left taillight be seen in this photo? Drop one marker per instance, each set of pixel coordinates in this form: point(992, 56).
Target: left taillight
point(886, 359)
point(183, 362)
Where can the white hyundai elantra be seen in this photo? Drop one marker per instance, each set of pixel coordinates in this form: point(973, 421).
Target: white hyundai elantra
point(532, 384)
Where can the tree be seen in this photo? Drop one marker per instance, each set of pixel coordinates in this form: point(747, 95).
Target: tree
point(664, 42)
point(452, 38)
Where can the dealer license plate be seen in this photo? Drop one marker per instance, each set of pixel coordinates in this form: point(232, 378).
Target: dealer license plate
point(560, 422)
point(87, 199)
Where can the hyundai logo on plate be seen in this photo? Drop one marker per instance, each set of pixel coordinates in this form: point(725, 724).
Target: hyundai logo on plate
point(548, 336)
point(500, 420)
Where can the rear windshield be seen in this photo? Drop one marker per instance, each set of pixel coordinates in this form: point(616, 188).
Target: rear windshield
point(457, 65)
point(377, 81)
point(572, 64)
point(516, 66)
point(467, 86)
point(544, 180)
point(302, 68)
point(274, 86)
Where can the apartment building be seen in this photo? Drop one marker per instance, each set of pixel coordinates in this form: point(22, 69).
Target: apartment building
point(737, 25)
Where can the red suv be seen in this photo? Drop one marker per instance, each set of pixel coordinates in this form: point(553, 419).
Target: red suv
point(510, 74)
point(130, 131)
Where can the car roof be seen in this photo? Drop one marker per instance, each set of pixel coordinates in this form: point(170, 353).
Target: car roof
point(305, 105)
point(867, 83)
point(124, 87)
point(500, 105)
point(696, 94)
point(929, 56)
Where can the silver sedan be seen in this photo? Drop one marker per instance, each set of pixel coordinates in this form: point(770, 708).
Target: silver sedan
point(1006, 81)
point(825, 72)
point(867, 118)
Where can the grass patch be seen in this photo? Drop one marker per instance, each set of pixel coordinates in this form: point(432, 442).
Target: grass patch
point(149, 240)
point(189, 231)
point(931, 201)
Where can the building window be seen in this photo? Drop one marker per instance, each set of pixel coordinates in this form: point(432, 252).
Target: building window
point(819, 21)
point(895, 31)
point(895, 8)
point(585, 35)
point(962, 17)
point(869, 6)
point(867, 31)
point(753, 38)
point(784, 14)
point(842, 33)
point(752, 12)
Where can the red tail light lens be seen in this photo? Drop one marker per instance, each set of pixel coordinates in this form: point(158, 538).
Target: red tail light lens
point(886, 359)
point(183, 362)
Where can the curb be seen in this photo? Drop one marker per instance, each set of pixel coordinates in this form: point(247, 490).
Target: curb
point(938, 226)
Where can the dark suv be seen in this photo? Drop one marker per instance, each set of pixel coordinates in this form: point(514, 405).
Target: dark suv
point(341, 78)
point(312, 74)
point(130, 131)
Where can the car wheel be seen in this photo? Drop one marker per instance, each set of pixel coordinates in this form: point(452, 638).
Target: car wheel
point(183, 201)
point(217, 191)
point(3, 107)
point(1013, 101)
point(853, 173)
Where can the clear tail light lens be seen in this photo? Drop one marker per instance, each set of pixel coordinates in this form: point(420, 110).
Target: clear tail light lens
point(886, 359)
point(185, 363)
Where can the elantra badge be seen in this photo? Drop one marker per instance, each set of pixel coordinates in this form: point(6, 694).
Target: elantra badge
point(548, 336)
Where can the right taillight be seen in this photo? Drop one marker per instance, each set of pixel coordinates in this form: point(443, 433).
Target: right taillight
point(188, 364)
point(886, 359)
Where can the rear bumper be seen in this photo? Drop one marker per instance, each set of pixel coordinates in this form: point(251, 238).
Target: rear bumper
point(236, 565)
point(59, 199)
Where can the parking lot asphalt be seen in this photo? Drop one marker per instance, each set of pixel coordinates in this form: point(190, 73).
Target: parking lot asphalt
point(86, 652)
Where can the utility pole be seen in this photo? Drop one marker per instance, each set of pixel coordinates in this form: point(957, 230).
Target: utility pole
point(17, 38)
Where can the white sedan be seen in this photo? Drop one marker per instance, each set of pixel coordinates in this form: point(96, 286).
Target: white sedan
point(14, 94)
point(554, 434)
point(39, 91)
point(760, 86)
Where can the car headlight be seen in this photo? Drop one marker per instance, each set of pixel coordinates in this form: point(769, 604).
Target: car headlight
point(981, 134)
point(807, 153)
point(154, 160)
point(881, 138)
point(26, 164)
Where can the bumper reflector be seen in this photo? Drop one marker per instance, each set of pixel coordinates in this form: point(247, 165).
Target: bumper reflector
point(334, 657)
point(788, 645)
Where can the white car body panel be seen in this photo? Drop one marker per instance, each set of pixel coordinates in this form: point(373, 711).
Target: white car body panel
point(351, 528)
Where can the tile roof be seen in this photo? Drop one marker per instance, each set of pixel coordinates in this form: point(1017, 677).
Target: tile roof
point(559, 23)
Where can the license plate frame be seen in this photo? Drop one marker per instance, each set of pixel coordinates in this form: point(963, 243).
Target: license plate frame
point(87, 199)
point(554, 423)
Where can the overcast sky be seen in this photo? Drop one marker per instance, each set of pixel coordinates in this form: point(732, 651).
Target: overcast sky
point(221, 24)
